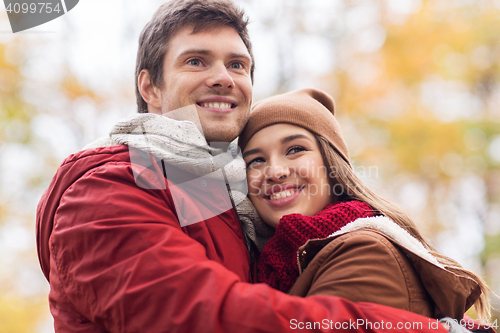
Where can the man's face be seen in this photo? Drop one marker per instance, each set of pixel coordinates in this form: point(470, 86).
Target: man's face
point(210, 69)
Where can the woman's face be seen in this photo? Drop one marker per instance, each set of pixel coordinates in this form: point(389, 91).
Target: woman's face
point(286, 173)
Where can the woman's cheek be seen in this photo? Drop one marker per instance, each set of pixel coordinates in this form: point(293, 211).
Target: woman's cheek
point(253, 185)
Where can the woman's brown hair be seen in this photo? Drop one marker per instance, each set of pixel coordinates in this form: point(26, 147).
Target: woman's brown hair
point(341, 173)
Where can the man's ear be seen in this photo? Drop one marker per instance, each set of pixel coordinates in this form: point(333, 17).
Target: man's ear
point(149, 92)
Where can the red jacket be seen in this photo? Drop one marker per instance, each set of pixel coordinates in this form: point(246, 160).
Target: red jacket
point(117, 260)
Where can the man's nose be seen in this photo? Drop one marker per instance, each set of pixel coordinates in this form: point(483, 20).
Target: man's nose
point(220, 77)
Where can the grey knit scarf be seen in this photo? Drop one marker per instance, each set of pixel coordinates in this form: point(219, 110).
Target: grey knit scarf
point(182, 144)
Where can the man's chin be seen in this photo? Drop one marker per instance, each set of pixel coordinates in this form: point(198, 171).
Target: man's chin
point(221, 134)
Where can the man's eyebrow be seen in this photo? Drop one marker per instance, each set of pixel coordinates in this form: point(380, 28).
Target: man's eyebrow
point(293, 137)
point(240, 55)
point(194, 51)
point(252, 151)
point(208, 52)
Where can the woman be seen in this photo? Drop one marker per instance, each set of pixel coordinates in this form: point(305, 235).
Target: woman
point(343, 239)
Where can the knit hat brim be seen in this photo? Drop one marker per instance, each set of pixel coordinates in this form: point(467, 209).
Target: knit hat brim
point(311, 109)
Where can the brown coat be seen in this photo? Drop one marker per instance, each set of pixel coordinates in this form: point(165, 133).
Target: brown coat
point(374, 260)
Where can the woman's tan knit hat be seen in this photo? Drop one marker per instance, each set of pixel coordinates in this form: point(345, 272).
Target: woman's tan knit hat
point(307, 108)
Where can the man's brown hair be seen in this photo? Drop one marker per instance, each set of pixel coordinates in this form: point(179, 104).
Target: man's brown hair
point(175, 15)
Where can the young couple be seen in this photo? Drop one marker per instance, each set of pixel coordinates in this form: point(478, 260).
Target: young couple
point(139, 232)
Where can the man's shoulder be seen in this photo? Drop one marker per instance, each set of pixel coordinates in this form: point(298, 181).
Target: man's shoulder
point(116, 153)
point(76, 165)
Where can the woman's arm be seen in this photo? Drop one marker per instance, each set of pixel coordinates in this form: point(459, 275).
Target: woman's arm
point(364, 266)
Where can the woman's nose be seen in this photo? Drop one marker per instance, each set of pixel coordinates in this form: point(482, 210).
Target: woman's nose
point(277, 172)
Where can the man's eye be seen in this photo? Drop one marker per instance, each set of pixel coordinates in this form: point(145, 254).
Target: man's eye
point(236, 65)
point(194, 62)
point(296, 149)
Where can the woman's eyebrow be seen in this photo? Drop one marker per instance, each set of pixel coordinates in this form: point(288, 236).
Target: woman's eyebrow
point(284, 140)
point(252, 151)
point(293, 137)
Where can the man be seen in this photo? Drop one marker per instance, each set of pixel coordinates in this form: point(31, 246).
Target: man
point(126, 250)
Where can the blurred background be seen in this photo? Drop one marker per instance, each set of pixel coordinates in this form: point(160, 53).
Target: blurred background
point(417, 90)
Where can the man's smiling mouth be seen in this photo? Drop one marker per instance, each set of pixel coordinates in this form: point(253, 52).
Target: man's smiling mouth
point(217, 105)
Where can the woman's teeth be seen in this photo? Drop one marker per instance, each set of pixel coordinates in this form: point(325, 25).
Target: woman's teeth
point(215, 105)
point(282, 194)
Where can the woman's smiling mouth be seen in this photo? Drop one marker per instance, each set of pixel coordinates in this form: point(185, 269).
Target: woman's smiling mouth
point(282, 195)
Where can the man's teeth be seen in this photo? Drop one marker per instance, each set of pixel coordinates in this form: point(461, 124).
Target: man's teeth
point(282, 194)
point(215, 105)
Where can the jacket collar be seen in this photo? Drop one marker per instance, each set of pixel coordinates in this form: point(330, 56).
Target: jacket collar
point(393, 231)
point(448, 288)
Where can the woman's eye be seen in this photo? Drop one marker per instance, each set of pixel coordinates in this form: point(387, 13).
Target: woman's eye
point(194, 62)
point(296, 149)
point(254, 161)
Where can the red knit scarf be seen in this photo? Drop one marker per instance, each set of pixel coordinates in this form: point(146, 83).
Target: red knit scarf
point(277, 264)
